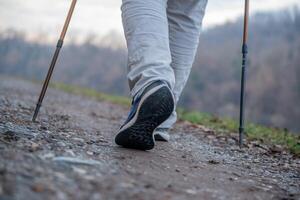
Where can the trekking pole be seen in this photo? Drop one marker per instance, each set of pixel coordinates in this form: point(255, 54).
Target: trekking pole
point(244, 63)
point(54, 59)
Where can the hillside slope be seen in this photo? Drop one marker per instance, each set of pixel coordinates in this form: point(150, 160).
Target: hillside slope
point(70, 154)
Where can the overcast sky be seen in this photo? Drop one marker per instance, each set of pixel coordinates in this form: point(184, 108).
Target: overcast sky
point(102, 16)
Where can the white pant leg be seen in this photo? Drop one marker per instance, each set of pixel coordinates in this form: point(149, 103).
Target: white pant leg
point(185, 21)
point(145, 26)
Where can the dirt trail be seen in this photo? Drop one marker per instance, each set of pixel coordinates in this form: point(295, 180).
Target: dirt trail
point(70, 154)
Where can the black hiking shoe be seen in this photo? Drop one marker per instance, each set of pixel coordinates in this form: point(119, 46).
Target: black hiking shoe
point(147, 112)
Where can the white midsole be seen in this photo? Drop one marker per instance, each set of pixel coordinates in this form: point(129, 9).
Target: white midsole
point(163, 135)
point(133, 120)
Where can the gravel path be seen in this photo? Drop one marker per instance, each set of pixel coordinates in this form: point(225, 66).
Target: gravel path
point(70, 154)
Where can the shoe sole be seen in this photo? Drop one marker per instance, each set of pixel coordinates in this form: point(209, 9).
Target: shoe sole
point(161, 137)
point(154, 108)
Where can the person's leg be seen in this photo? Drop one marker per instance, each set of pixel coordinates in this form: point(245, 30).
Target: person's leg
point(150, 75)
point(145, 26)
point(185, 21)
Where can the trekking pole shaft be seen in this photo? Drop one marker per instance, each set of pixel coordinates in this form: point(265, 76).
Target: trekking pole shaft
point(242, 96)
point(54, 59)
point(243, 77)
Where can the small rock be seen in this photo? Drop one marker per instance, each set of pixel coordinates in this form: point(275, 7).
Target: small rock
point(191, 191)
point(69, 152)
point(126, 185)
point(211, 137)
point(101, 140)
point(233, 178)
point(162, 156)
point(61, 144)
point(276, 149)
point(43, 128)
point(120, 157)
point(213, 162)
point(75, 161)
point(79, 170)
point(231, 141)
point(148, 185)
point(47, 156)
point(38, 188)
point(80, 140)
point(63, 117)
point(34, 147)
point(248, 167)
point(236, 174)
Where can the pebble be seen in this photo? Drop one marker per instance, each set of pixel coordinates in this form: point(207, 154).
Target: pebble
point(34, 147)
point(213, 162)
point(70, 152)
point(38, 188)
point(126, 185)
point(191, 191)
point(47, 156)
point(76, 139)
point(43, 128)
point(79, 170)
point(61, 144)
point(75, 161)
point(233, 178)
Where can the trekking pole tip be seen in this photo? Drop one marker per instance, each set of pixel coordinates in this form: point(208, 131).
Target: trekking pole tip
point(241, 131)
point(36, 111)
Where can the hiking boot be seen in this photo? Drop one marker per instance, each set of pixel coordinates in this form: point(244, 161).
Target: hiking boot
point(162, 134)
point(147, 112)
